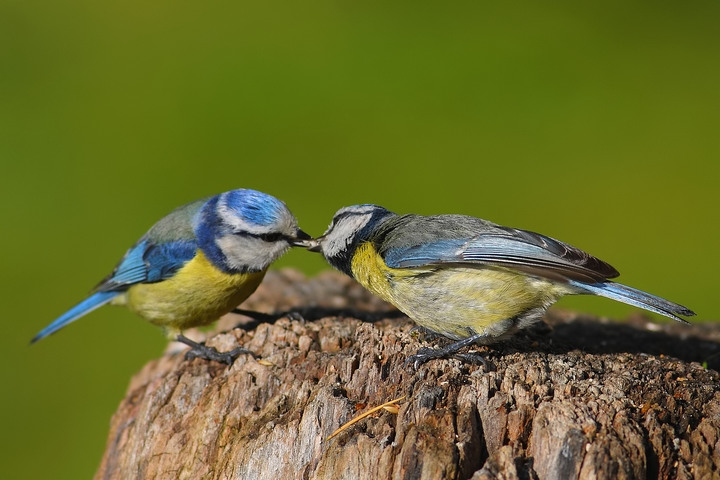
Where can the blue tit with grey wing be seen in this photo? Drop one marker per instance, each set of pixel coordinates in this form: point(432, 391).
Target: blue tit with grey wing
point(196, 264)
point(468, 279)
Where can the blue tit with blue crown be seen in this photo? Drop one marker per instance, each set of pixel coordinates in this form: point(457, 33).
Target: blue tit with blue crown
point(197, 264)
point(465, 278)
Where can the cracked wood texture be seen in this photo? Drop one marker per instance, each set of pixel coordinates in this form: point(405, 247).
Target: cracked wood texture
point(578, 397)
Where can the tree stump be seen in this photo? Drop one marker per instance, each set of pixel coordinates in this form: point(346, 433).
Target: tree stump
point(578, 397)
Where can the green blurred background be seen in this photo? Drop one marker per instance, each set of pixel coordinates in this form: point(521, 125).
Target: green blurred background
point(593, 123)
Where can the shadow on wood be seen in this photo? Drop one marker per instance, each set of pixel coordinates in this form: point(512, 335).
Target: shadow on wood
point(580, 398)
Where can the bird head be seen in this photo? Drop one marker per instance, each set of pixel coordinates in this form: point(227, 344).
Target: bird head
point(245, 230)
point(349, 227)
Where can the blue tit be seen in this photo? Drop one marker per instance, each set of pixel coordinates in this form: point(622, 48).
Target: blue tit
point(468, 279)
point(196, 264)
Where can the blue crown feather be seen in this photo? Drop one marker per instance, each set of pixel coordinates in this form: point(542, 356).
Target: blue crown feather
point(255, 207)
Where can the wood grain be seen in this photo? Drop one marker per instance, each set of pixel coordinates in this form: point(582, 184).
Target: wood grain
point(579, 397)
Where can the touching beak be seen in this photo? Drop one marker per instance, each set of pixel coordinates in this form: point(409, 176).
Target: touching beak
point(302, 239)
point(315, 244)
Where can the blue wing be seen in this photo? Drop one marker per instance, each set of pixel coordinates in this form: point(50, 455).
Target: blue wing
point(535, 254)
point(442, 251)
point(519, 249)
point(147, 262)
point(162, 251)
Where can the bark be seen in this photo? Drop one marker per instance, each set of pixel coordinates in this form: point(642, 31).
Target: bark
point(579, 397)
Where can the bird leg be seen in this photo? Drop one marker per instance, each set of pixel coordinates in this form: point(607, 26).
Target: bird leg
point(200, 350)
point(426, 354)
point(268, 317)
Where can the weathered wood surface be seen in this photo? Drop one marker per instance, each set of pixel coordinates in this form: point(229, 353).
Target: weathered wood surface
point(582, 398)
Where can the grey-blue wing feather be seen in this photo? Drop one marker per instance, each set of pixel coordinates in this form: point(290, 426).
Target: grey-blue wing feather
point(131, 269)
point(535, 253)
point(494, 245)
point(148, 263)
point(441, 251)
point(162, 251)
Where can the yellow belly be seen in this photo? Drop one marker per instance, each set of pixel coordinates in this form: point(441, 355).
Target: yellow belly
point(457, 301)
point(198, 294)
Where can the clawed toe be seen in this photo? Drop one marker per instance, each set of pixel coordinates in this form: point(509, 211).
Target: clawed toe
point(200, 350)
point(269, 317)
point(210, 353)
point(424, 355)
point(472, 359)
point(294, 316)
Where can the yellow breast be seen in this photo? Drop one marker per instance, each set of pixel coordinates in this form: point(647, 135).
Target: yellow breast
point(196, 295)
point(456, 300)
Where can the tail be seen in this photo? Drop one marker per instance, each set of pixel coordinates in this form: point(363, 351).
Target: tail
point(637, 298)
point(94, 301)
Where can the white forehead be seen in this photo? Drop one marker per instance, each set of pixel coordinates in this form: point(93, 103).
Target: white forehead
point(346, 224)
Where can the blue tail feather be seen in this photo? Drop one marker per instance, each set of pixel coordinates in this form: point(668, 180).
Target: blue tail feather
point(637, 298)
point(86, 306)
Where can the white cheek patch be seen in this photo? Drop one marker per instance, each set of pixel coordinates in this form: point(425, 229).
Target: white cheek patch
point(248, 253)
point(339, 237)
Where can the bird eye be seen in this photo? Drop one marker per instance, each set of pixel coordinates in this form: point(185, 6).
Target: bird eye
point(271, 237)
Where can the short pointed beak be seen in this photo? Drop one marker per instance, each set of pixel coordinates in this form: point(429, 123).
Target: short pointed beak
point(301, 239)
point(315, 245)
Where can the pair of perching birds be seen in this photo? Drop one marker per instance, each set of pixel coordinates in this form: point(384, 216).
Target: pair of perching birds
point(462, 277)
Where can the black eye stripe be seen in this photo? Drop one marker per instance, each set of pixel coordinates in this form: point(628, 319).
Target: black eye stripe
point(269, 237)
point(272, 237)
point(344, 215)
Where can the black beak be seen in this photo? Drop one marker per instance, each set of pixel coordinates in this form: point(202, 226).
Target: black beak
point(315, 245)
point(301, 239)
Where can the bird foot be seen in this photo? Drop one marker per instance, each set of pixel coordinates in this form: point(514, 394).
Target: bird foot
point(269, 317)
point(425, 354)
point(472, 359)
point(200, 350)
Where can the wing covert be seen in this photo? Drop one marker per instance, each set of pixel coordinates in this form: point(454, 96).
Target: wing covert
point(512, 248)
point(147, 262)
